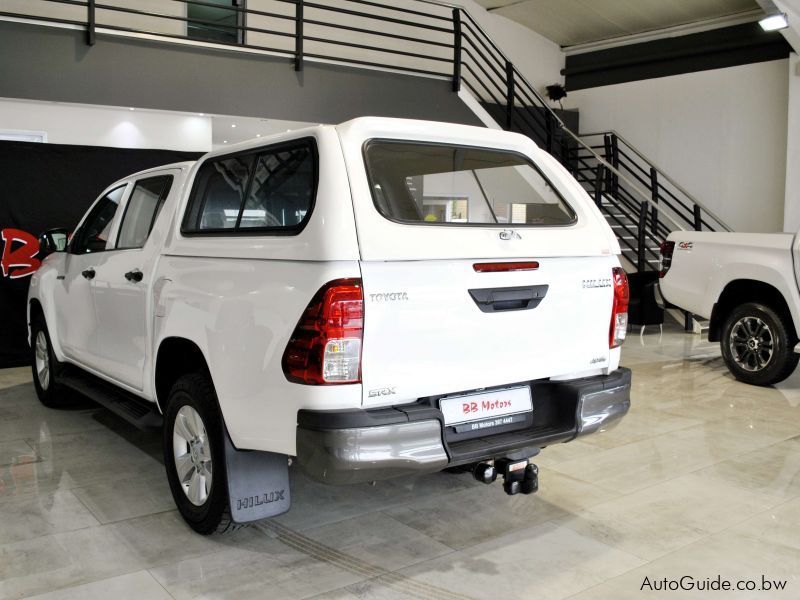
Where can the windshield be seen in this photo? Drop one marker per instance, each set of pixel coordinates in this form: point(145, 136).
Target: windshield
point(416, 182)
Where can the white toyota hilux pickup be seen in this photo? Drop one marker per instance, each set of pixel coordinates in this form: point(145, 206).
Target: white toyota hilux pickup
point(746, 284)
point(375, 299)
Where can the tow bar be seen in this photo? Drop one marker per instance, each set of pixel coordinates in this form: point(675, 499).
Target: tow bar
point(519, 476)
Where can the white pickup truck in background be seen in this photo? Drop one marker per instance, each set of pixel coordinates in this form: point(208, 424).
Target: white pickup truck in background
point(746, 285)
point(377, 299)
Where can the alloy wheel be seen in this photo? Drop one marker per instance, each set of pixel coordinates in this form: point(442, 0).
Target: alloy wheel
point(192, 453)
point(42, 360)
point(752, 343)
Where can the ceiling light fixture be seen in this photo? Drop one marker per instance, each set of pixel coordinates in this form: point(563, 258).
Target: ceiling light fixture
point(774, 22)
point(234, 125)
point(131, 108)
point(225, 141)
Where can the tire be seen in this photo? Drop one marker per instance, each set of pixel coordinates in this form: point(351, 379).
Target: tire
point(45, 367)
point(758, 344)
point(194, 438)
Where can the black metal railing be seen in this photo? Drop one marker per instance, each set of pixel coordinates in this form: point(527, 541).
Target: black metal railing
point(640, 202)
point(355, 32)
point(664, 191)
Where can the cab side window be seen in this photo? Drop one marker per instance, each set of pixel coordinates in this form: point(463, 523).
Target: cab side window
point(145, 203)
point(94, 233)
point(218, 193)
point(281, 191)
point(269, 190)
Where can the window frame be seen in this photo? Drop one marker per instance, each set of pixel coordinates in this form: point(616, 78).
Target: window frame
point(159, 205)
point(309, 142)
point(81, 226)
point(524, 157)
point(240, 6)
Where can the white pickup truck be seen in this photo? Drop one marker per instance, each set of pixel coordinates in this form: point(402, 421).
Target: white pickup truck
point(746, 284)
point(379, 298)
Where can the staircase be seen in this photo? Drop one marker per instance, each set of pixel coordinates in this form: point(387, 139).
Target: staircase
point(641, 203)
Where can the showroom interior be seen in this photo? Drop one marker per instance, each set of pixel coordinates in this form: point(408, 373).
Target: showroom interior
point(674, 124)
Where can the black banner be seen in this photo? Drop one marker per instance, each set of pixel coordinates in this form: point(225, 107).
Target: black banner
point(44, 186)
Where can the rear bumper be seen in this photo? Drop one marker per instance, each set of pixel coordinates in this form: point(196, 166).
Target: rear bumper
point(354, 446)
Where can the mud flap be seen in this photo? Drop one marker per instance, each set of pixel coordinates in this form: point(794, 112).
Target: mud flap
point(258, 483)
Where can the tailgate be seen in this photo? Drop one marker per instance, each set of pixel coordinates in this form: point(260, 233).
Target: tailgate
point(426, 331)
point(433, 199)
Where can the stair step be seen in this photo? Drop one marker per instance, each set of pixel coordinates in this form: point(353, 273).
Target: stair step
point(133, 409)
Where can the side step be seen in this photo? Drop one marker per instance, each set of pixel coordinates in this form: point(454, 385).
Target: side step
point(695, 324)
point(699, 325)
point(134, 410)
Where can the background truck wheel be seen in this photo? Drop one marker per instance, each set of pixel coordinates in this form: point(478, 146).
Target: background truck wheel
point(45, 367)
point(758, 344)
point(194, 455)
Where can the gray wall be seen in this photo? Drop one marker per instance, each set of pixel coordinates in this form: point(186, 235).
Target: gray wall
point(47, 63)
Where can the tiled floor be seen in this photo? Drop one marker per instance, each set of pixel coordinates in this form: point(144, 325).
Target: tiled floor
point(701, 479)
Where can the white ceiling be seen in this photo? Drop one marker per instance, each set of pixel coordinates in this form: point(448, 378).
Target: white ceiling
point(571, 22)
point(247, 128)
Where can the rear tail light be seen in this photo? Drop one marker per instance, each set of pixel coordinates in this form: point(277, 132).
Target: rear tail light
point(325, 347)
point(667, 249)
point(619, 309)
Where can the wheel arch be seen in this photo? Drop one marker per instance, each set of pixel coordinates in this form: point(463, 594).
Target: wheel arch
point(176, 357)
point(35, 309)
point(738, 292)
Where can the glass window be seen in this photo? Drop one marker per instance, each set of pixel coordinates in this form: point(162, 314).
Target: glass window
point(269, 190)
point(94, 232)
point(218, 193)
point(216, 21)
point(143, 207)
point(281, 191)
point(443, 184)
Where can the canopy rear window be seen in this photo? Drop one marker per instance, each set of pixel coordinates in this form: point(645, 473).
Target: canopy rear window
point(426, 183)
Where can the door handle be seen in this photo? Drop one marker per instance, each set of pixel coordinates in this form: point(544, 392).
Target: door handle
point(88, 273)
point(134, 276)
point(491, 300)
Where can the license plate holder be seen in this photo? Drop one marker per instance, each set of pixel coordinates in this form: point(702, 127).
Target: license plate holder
point(486, 409)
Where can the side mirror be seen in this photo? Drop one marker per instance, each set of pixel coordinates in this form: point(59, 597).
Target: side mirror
point(53, 240)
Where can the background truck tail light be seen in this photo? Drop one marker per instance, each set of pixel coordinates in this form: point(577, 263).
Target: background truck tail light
point(667, 249)
point(325, 347)
point(619, 310)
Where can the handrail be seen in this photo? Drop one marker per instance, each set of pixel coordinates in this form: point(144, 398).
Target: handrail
point(663, 174)
point(430, 31)
point(643, 197)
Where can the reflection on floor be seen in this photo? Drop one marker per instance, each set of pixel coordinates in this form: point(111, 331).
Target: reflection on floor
point(701, 479)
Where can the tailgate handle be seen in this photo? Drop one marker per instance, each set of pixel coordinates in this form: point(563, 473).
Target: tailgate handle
point(509, 298)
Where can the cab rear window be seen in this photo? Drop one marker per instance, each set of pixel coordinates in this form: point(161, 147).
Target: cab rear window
point(426, 183)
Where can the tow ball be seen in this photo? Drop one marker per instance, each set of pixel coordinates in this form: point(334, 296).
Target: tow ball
point(519, 476)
